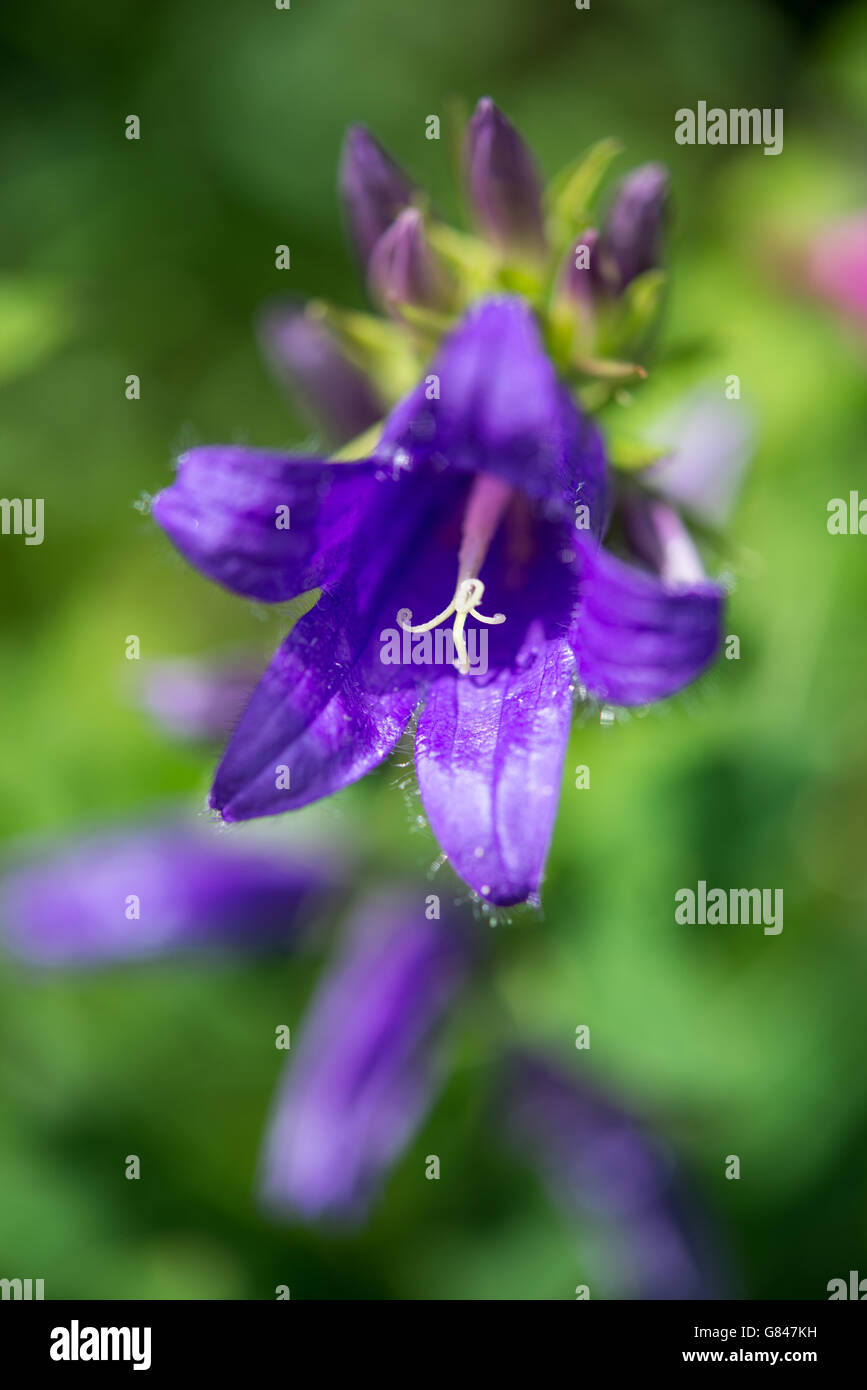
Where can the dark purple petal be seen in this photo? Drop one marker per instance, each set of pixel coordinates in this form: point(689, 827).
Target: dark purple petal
point(605, 1168)
point(326, 712)
point(490, 748)
point(636, 638)
point(264, 525)
point(633, 231)
point(403, 269)
point(501, 410)
point(502, 181)
point(329, 709)
point(372, 187)
point(305, 355)
point(365, 1071)
point(196, 699)
point(190, 889)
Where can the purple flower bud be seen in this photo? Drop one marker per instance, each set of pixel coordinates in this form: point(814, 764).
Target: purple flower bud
point(305, 356)
point(196, 699)
point(373, 188)
point(605, 1169)
point(145, 892)
point(577, 279)
point(365, 1071)
point(503, 182)
point(632, 235)
point(403, 269)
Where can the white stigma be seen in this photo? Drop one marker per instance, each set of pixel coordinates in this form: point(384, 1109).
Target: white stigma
point(486, 505)
point(467, 595)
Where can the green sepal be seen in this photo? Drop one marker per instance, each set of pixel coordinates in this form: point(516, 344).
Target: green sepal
point(570, 194)
point(377, 345)
point(362, 446)
point(429, 322)
point(472, 261)
point(631, 317)
point(609, 369)
point(632, 455)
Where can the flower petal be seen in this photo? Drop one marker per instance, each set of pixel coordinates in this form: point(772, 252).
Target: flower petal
point(329, 708)
point(637, 639)
point(501, 410)
point(489, 753)
point(490, 747)
point(365, 1070)
point(326, 712)
point(144, 892)
point(264, 525)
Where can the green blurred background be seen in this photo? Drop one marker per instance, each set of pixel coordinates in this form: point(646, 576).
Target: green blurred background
point(152, 258)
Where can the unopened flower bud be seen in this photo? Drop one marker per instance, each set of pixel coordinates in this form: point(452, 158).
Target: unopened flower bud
point(503, 182)
point(404, 270)
point(305, 355)
point(577, 278)
point(373, 188)
point(631, 241)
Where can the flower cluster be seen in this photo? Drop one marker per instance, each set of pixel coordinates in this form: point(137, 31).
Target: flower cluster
point(487, 494)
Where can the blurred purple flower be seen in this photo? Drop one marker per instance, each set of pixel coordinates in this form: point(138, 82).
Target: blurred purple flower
point(837, 266)
point(373, 189)
point(196, 699)
point(368, 1065)
point(502, 181)
point(367, 1068)
point(658, 536)
point(148, 891)
point(710, 441)
point(605, 1168)
point(498, 474)
point(306, 356)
